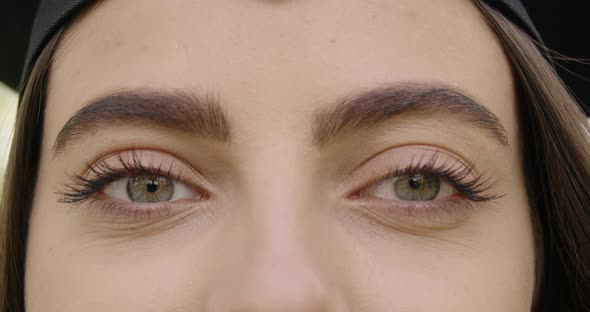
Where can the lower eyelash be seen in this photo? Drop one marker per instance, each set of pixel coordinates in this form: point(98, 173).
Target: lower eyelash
point(121, 211)
point(446, 206)
point(410, 216)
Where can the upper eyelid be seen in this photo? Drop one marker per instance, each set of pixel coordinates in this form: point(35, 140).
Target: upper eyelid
point(424, 147)
point(136, 154)
point(173, 170)
point(349, 184)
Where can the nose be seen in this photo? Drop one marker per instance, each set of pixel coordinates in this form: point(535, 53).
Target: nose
point(274, 274)
point(280, 286)
point(274, 269)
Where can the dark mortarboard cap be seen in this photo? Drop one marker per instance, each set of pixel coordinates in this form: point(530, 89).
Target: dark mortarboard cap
point(52, 14)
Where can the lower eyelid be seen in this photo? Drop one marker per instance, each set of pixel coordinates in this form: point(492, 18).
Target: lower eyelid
point(414, 216)
point(115, 212)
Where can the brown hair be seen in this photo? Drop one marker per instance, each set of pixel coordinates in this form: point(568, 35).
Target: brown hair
point(556, 155)
point(21, 173)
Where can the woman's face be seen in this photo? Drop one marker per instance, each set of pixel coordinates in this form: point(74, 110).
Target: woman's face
point(280, 156)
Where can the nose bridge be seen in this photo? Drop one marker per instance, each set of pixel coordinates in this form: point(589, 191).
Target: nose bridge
point(278, 272)
point(276, 190)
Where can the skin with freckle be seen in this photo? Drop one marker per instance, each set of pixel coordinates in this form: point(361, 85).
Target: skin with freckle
point(276, 231)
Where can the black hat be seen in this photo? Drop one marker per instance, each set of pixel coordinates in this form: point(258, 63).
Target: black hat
point(50, 14)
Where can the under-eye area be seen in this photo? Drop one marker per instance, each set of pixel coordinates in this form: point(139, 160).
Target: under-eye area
point(419, 186)
point(135, 186)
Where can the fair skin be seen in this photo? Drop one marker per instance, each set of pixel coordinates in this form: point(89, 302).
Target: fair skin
point(271, 215)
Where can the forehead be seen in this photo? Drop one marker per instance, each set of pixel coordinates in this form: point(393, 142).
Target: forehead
point(283, 54)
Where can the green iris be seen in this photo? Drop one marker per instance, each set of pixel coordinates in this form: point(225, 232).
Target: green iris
point(148, 189)
point(417, 187)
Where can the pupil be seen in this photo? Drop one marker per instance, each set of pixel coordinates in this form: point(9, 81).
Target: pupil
point(152, 186)
point(416, 182)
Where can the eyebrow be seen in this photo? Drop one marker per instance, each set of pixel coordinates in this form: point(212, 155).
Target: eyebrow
point(371, 108)
point(174, 109)
point(204, 116)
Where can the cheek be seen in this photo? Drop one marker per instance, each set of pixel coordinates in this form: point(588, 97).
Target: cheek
point(485, 265)
point(77, 272)
point(141, 282)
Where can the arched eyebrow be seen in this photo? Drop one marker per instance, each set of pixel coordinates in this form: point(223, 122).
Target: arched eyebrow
point(204, 116)
point(375, 106)
point(175, 109)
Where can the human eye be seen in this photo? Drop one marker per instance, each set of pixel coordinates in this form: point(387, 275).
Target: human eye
point(428, 182)
point(138, 184)
point(428, 188)
point(148, 189)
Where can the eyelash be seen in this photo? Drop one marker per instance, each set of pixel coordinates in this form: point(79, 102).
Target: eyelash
point(469, 187)
point(473, 189)
point(82, 189)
